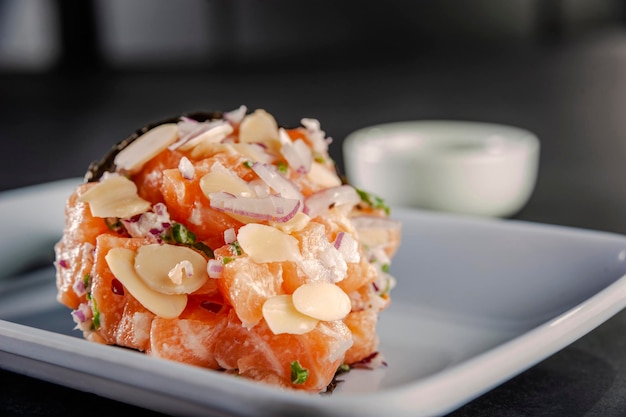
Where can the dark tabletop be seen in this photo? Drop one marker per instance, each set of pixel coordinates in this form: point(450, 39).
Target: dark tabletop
point(572, 95)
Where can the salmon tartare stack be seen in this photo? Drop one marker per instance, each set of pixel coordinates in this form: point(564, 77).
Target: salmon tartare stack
point(225, 241)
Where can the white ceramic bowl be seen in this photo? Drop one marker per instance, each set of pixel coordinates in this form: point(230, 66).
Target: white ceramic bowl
point(462, 167)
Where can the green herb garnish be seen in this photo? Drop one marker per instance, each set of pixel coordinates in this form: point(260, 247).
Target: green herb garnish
point(86, 279)
point(235, 249)
point(226, 260)
point(282, 167)
point(96, 314)
point(248, 164)
point(204, 248)
point(181, 234)
point(387, 288)
point(373, 201)
point(178, 233)
point(343, 368)
point(299, 374)
point(114, 224)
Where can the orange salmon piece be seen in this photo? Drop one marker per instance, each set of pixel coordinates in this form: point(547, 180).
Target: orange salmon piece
point(150, 178)
point(188, 205)
point(187, 340)
point(74, 264)
point(246, 285)
point(133, 329)
point(117, 308)
point(358, 275)
point(204, 306)
point(291, 278)
point(259, 354)
point(362, 324)
point(74, 252)
point(80, 225)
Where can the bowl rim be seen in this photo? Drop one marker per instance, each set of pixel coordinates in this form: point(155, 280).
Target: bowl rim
point(432, 130)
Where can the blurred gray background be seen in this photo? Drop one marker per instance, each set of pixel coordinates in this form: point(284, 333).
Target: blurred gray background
point(41, 35)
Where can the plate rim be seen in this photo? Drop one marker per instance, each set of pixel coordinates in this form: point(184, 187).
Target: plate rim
point(23, 341)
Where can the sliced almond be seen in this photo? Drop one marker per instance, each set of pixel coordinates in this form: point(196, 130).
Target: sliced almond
point(114, 196)
point(132, 158)
point(321, 175)
point(253, 152)
point(121, 263)
point(171, 269)
point(295, 224)
point(217, 181)
point(322, 300)
point(259, 127)
point(212, 136)
point(282, 317)
point(209, 142)
point(267, 244)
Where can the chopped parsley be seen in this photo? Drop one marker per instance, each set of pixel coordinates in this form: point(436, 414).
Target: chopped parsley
point(226, 260)
point(178, 233)
point(248, 164)
point(343, 368)
point(387, 288)
point(204, 248)
point(385, 268)
point(181, 234)
point(235, 249)
point(114, 224)
point(282, 167)
point(374, 201)
point(96, 314)
point(299, 374)
point(86, 279)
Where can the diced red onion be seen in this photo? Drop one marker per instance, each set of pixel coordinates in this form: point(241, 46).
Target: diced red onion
point(271, 208)
point(237, 115)
point(189, 129)
point(316, 135)
point(320, 201)
point(214, 268)
point(79, 315)
point(283, 186)
point(229, 236)
point(297, 153)
point(63, 263)
point(82, 314)
point(160, 209)
point(79, 287)
point(338, 239)
point(348, 247)
point(186, 168)
point(151, 224)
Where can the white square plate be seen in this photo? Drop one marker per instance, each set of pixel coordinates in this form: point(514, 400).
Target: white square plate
point(477, 302)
